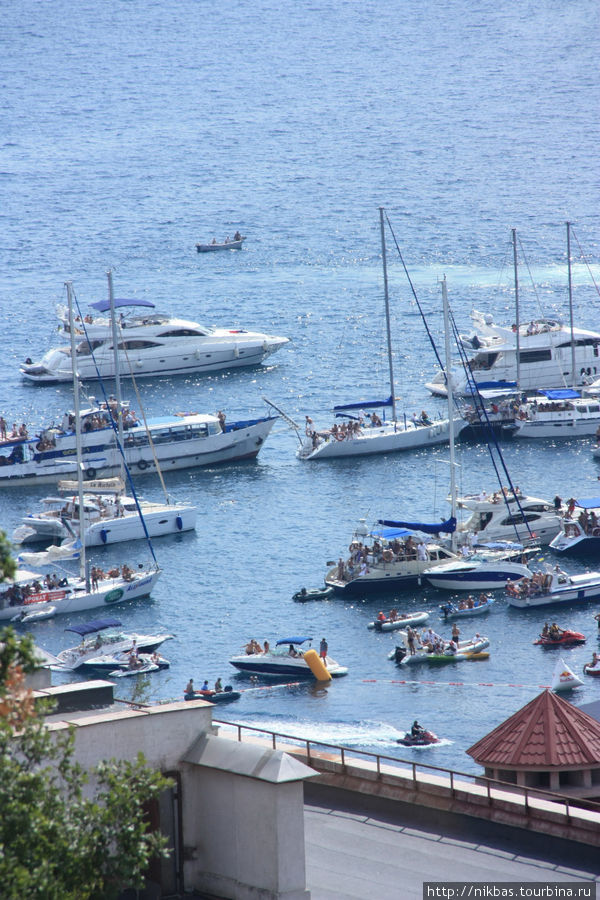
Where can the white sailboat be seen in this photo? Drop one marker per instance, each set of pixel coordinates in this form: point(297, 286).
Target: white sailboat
point(31, 596)
point(365, 433)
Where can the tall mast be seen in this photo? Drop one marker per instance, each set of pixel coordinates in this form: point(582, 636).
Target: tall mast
point(573, 372)
point(450, 396)
point(82, 566)
point(115, 339)
point(514, 243)
point(387, 312)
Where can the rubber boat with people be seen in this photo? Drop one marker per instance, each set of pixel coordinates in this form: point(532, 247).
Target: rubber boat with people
point(176, 441)
point(420, 739)
point(553, 636)
point(149, 344)
point(394, 620)
point(306, 594)
point(227, 695)
point(442, 651)
point(289, 659)
point(553, 587)
point(472, 606)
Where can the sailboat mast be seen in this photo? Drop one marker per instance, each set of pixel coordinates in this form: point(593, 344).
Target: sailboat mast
point(387, 312)
point(514, 243)
point(76, 407)
point(115, 340)
point(450, 396)
point(573, 372)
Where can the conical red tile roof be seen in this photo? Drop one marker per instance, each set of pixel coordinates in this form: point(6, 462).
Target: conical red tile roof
point(547, 732)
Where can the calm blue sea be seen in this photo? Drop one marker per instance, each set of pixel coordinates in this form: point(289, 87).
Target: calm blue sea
point(131, 130)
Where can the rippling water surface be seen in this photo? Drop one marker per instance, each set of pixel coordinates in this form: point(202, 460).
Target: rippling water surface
point(131, 131)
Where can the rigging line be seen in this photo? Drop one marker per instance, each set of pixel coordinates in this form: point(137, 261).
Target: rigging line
point(559, 366)
point(116, 433)
point(491, 440)
point(584, 258)
point(414, 293)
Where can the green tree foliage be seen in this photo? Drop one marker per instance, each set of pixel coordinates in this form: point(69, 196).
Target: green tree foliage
point(7, 562)
point(65, 834)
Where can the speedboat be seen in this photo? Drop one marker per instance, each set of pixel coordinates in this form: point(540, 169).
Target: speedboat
point(121, 658)
point(478, 572)
point(149, 344)
point(284, 661)
point(422, 739)
point(555, 586)
point(387, 557)
point(580, 536)
point(397, 621)
point(508, 515)
point(545, 347)
point(177, 441)
point(100, 637)
point(27, 593)
point(557, 414)
point(109, 516)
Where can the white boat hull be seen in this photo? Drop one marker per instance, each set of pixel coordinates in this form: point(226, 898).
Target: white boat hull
point(389, 438)
point(279, 665)
point(485, 577)
point(76, 598)
point(575, 589)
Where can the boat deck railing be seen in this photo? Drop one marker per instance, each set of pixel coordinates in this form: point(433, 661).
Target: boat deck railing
point(495, 789)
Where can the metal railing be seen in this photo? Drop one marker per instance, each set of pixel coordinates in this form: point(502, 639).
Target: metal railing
point(310, 746)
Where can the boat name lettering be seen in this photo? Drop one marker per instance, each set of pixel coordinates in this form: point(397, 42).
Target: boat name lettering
point(139, 584)
point(44, 598)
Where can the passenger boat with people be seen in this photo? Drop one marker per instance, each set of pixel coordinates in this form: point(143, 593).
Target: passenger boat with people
point(438, 650)
point(227, 695)
point(557, 414)
point(579, 536)
point(148, 344)
point(178, 441)
point(363, 432)
point(287, 659)
point(555, 586)
point(109, 516)
point(545, 356)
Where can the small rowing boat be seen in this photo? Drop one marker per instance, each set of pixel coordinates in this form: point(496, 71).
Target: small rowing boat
point(226, 245)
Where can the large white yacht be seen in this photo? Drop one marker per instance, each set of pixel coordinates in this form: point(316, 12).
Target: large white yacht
point(109, 516)
point(508, 516)
point(557, 414)
point(149, 343)
point(178, 441)
point(545, 356)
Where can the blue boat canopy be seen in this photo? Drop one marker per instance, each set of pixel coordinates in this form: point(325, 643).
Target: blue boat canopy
point(447, 527)
point(293, 640)
point(366, 404)
point(95, 625)
point(104, 305)
point(389, 534)
point(562, 394)
point(589, 503)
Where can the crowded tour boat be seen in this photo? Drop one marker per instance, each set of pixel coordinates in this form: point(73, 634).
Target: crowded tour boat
point(554, 586)
point(557, 414)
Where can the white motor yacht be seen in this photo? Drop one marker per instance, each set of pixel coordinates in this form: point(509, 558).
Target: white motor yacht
point(109, 516)
point(101, 637)
point(177, 441)
point(554, 587)
point(545, 356)
point(149, 344)
point(506, 516)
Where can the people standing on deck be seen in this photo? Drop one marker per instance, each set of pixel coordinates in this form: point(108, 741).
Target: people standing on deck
point(221, 418)
point(2, 428)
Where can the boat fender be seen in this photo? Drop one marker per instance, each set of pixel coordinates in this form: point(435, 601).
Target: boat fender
point(90, 473)
point(104, 535)
point(317, 666)
point(179, 522)
point(142, 464)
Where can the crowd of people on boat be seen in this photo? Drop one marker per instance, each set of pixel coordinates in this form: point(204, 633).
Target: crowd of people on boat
point(253, 647)
point(588, 522)
point(17, 433)
point(237, 237)
point(97, 574)
point(355, 428)
point(190, 692)
point(361, 556)
point(539, 583)
point(18, 594)
point(468, 602)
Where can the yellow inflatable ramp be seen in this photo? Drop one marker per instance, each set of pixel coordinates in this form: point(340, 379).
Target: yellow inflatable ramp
point(316, 666)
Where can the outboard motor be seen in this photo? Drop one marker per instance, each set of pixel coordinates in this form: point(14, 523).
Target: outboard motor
point(399, 654)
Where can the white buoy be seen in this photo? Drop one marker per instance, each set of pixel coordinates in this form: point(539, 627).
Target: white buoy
point(564, 679)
